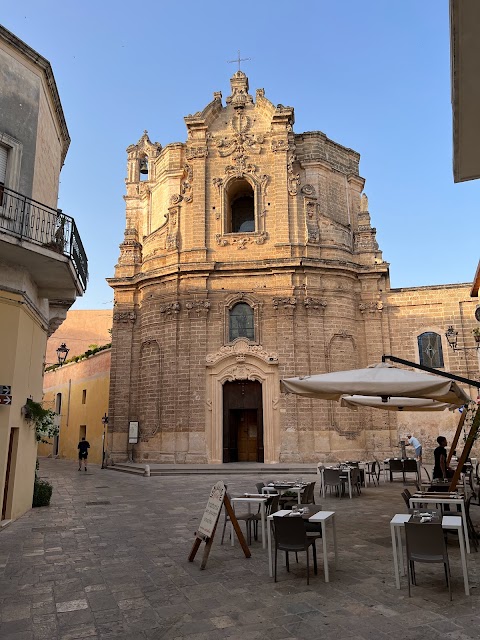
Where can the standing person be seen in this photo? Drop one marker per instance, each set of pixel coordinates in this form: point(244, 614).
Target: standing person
point(83, 447)
point(415, 443)
point(440, 470)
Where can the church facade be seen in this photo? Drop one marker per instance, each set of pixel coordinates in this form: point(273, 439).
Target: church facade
point(249, 256)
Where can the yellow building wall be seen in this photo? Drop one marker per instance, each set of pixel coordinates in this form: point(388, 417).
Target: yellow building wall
point(84, 388)
point(22, 347)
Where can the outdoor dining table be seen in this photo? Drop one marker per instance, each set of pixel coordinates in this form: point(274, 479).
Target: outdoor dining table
point(282, 487)
point(320, 517)
point(250, 499)
point(343, 469)
point(455, 499)
point(448, 522)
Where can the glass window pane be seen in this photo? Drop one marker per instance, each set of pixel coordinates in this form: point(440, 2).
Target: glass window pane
point(241, 322)
point(430, 350)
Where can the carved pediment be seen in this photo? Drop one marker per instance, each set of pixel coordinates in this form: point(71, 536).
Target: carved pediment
point(240, 350)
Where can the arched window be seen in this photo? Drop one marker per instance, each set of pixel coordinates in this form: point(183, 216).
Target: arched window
point(240, 207)
point(241, 322)
point(430, 350)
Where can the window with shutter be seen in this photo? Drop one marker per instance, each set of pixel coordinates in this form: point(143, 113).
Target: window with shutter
point(3, 170)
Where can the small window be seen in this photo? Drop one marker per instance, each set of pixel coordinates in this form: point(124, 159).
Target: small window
point(430, 350)
point(241, 323)
point(58, 404)
point(241, 207)
point(84, 396)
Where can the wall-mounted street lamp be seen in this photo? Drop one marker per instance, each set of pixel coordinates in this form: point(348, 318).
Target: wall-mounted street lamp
point(62, 353)
point(452, 338)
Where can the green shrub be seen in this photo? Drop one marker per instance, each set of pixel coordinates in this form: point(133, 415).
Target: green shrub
point(42, 492)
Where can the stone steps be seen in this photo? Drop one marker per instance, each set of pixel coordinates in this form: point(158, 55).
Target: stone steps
point(250, 469)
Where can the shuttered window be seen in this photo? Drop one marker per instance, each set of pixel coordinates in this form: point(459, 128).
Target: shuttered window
point(3, 164)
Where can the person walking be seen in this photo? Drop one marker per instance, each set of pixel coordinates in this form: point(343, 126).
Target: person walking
point(415, 443)
point(83, 447)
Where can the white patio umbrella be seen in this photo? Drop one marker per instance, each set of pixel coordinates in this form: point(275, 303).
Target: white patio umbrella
point(395, 403)
point(382, 380)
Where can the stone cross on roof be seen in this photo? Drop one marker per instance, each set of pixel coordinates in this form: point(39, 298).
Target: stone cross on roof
point(238, 59)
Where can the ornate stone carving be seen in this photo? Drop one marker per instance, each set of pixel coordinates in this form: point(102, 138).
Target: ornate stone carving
point(193, 153)
point(285, 303)
point(243, 242)
point(311, 215)
point(241, 139)
point(240, 96)
point(241, 349)
point(308, 190)
point(218, 182)
point(170, 309)
point(280, 146)
point(371, 307)
point(171, 238)
point(293, 178)
point(315, 303)
point(176, 198)
point(198, 306)
point(124, 316)
point(187, 187)
point(364, 203)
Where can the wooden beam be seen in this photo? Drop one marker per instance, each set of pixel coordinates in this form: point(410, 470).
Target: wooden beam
point(457, 434)
point(466, 450)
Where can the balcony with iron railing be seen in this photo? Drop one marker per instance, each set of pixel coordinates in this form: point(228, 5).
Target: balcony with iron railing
point(28, 224)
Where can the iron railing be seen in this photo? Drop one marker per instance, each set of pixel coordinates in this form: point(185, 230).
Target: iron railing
point(27, 219)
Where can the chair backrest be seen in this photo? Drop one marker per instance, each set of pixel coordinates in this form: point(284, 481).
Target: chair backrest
point(410, 465)
point(289, 530)
point(395, 465)
point(320, 466)
point(308, 495)
point(406, 497)
point(355, 475)
point(352, 463)
point(331, 476)
point(259, 486)
point(425, 540)
point(272, 505)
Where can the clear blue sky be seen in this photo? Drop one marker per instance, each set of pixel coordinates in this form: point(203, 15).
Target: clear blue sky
point(373, 75)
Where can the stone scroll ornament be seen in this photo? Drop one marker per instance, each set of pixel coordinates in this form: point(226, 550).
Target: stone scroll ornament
point(293, 178)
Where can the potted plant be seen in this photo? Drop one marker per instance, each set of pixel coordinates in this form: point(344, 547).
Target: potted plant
point(476, 334)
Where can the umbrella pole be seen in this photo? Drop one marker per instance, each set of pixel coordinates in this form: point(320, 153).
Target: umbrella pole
point(457, 434)
point(466, 450)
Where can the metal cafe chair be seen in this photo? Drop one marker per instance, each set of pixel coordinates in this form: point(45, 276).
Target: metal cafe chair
point(425, 543)
point(290, 536)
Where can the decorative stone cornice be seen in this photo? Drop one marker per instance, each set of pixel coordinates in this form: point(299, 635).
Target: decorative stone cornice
point(171, 309)
point(193, 153)
point(315, 304)
point(371, 307)
point(199, 307)
point(285, 303)
point(240, 350)
point(124, 316)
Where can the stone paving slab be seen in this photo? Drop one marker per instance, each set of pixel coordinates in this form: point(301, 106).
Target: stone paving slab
point(108, 559)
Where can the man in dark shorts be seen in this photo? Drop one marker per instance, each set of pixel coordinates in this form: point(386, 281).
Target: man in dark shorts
point(440, 470)
point(83, 447)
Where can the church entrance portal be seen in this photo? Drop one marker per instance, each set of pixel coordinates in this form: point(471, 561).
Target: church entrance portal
point(242, 421)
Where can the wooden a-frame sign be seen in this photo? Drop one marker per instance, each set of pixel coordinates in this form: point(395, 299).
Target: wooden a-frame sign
point(208, 525)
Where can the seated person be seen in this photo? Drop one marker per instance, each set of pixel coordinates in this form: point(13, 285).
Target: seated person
point(440, 470)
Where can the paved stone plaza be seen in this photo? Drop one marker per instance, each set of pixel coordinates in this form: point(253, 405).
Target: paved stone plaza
point(108, 559)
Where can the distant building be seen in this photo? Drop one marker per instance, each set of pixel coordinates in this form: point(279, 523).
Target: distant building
point(81, 329)
point(43, 266)
point(78, 393)
point(249, 256)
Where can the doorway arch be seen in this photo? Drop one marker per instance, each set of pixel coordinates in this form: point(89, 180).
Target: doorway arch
point(242, 361)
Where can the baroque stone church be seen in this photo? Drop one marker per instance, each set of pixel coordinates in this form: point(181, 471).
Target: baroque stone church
point(249, 256)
